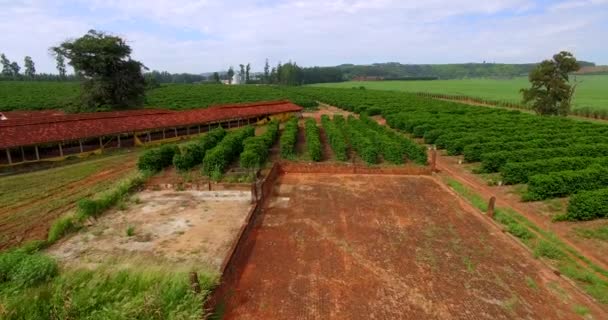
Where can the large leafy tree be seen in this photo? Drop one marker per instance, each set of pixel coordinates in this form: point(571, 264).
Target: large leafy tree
point(15, 69)
point(551, 92)
point(30, 68)
point(110, 77)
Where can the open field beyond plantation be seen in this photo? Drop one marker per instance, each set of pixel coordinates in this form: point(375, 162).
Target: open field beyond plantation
point(591, 92)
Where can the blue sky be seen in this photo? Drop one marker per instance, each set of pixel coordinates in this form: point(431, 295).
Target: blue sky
point(209, 35)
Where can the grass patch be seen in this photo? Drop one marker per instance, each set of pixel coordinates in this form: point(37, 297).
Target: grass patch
point(581, 310)
point(600, 233)
point(130, 231)
point(531, 283)
point(476, 200)
point(61, 227)
point(105, 293)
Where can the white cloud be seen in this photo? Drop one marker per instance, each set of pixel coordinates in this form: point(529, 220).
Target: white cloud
point(312, 32)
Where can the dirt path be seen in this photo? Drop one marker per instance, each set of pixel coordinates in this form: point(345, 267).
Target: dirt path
point(531, 210)
point(328, 154)
point(329, 246)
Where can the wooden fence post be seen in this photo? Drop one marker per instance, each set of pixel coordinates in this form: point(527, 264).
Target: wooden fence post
point(434, 160)
point(491, 205)
point(194, 284)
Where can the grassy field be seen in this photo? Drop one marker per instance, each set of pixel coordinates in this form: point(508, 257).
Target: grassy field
point(31, 201)
point(591, 92)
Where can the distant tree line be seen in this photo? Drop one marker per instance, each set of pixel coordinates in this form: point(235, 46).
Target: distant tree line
point(395, 70)
point(12, 71)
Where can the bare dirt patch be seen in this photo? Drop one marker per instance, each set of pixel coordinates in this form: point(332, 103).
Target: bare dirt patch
point(331, 246)
point(188, 226)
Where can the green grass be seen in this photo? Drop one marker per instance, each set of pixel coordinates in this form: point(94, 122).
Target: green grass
point(33, 199)
point(600, 233)
point(591, 92)
point(34, 290)
point(475, 199)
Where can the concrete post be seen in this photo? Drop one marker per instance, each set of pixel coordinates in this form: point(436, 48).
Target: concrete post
point(434, 160)
point(60, 150)
point(37, 153)
point(163, 134)
point(149, 137)
point(22, 155)
point(188, 130)
point(8, 155)
point(491, 205)
point(100, 143)
point(175, 132)
point(118, 137)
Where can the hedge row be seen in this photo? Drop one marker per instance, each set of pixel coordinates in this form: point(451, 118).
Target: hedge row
point(156, 159)
point(217, 159)
point(588, 205)
point(565, 183)
point(366, 147)
point(492, 162)
point(289, 137)
point(313, 140)
point(474, 152)
point(191, 154)
point(255, 149)
point(336, 138)
point(396, 146)
point(520, 172)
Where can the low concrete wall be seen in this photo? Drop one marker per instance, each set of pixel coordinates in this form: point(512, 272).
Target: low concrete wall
point(239, 252)
point(298, 167)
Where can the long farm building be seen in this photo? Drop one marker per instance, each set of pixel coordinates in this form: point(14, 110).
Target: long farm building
point(53, 135)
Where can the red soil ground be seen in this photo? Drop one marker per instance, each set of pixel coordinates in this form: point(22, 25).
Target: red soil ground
point(333, 246)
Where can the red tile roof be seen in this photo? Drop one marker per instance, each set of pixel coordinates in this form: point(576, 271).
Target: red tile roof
point(48, 128)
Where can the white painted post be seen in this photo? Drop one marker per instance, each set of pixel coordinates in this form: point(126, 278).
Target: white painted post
point(81, 148)
point(22, 155)
point(118, 141)
point(37, 153)
point(60, 150)
point(8, 155)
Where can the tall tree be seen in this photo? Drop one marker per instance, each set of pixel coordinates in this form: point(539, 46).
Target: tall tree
point(15, 69)
point(111, 77)
point(7, 70)
point(266, 72)
point(60, 60)
point(30, 68)
point(216, 77)
point(279, 72)
point(241, 73)
point(230, 74)
point(551, 92)
point(247, 69)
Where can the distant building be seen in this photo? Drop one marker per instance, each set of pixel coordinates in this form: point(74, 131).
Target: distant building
point(237, 79)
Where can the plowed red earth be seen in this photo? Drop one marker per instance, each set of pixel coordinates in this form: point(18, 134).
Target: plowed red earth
point(331, 246)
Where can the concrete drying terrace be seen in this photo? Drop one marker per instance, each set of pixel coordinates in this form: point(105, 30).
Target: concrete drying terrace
point(331, 246)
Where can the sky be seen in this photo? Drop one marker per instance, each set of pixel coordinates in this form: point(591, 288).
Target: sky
point(197, 36)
